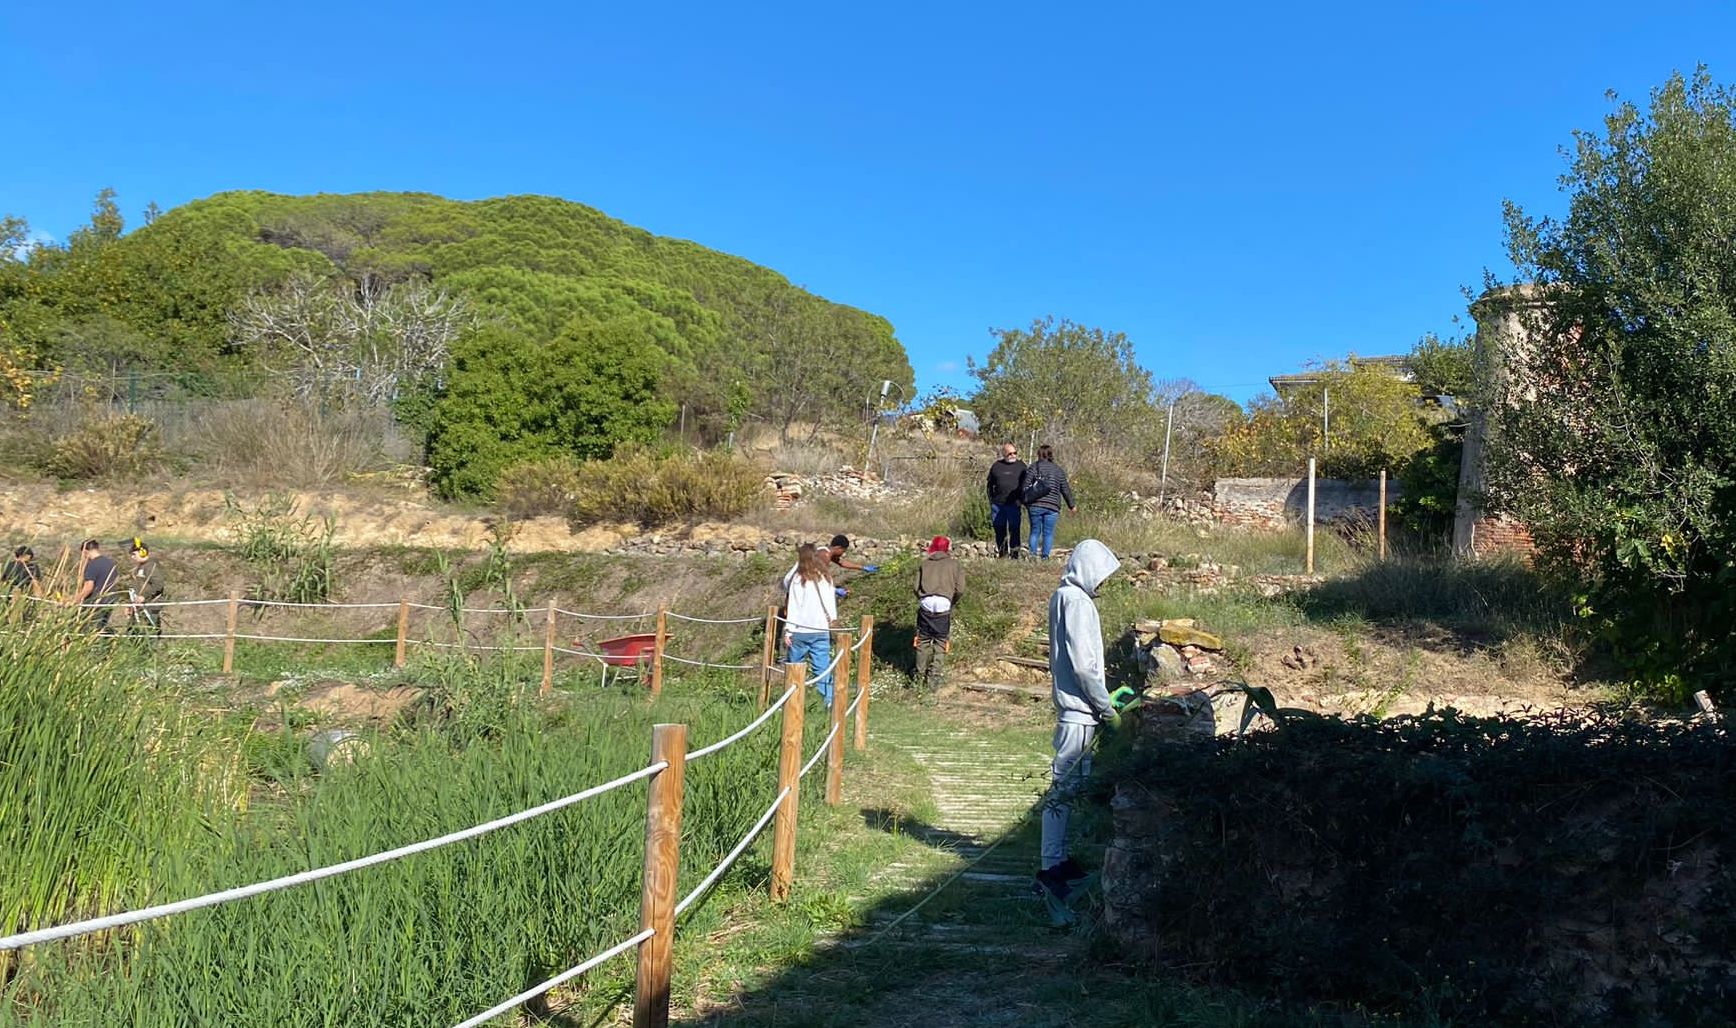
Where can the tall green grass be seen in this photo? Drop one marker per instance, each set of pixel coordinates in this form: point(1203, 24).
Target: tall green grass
point(429, 939)
point(101, 776)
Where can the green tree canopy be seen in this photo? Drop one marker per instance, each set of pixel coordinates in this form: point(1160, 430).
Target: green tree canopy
point(1355, 419)
point(165, 296)
point(1613, 380)
point(511, 400)
point(1066, 381)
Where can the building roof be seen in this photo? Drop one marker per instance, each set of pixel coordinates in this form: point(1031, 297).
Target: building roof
point(1398, 364)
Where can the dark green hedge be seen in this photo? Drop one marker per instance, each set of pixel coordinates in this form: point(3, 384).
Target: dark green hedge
point(1560, 869)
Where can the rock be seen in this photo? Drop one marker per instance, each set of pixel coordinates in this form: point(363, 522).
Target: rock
point(1170, 663)
point(1187, 635)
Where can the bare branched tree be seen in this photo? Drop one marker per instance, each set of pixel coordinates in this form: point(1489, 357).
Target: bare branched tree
point(335, 337)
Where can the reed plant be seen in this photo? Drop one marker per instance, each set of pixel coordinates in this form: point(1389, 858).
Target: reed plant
point(429, 939)
point(100, 776)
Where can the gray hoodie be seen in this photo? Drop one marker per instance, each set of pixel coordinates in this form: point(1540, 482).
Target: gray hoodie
point(1076, 637)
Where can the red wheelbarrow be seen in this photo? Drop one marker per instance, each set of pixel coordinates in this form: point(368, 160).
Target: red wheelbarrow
point(627, 651)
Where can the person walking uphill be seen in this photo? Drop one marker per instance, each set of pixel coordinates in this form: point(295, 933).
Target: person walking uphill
point(811, 606)
point(1006, 479)
point(939, 586)
point(1081, 698)
point(1044, 490)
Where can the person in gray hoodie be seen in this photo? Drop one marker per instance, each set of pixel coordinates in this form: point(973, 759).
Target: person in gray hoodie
point(1081, 697)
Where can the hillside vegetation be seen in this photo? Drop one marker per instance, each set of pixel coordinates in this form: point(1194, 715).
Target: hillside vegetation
point(498, 330)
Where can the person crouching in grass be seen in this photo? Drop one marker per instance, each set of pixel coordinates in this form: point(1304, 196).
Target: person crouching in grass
point(939, 586)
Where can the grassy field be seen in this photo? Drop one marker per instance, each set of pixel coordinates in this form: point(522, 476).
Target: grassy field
point(121, 789)
point(147, 776)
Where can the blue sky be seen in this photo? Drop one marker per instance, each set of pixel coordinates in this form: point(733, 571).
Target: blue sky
point(1241, 190)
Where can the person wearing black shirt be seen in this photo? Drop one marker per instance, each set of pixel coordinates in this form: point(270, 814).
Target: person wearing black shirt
point(21, 575)
point(1006, 485)
point(96, 589)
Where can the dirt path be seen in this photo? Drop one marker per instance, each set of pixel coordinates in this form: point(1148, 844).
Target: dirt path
point(949, 932)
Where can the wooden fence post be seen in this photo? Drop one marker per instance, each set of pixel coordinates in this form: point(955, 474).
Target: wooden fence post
point(790, 783)
point(403, 632)
point(662, 870)
point(1310, 565)
point(1382, 513)
point(768, 650)
point(548, 681)
point(229, 635)
point(657, 651)
point(864, 672)
point(840, 701)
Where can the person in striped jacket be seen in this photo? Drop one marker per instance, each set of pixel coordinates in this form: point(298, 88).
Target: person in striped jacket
point(1045, 489)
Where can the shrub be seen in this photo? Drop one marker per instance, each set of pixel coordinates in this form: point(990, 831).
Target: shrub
point(288, 443)
point(290, 553)
point(1573, 868)
point(107, 446)
point(536, 488)
point(510, 400)
point(974, 520)
point(651, 488)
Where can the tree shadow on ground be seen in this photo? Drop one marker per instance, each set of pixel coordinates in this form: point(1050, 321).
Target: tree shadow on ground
point(971, 954)
point(883, 820)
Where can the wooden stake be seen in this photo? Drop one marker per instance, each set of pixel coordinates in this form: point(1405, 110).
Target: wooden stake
point(1310, 565)
point(767, 651)
point(790, 783)
point(1382, 513)
point(657, 651)
point(864, 673)
point(840, 701)
point(229, 636)
point(548, 682)
point(403, 632)
point(662, 870)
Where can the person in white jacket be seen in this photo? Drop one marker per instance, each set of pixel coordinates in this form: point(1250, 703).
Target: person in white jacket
point(1081, 698)
point(810, 607)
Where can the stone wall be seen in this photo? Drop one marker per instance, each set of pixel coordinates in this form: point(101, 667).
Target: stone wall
point(1280, 502)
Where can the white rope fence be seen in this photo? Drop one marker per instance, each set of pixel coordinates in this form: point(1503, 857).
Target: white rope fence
point(706, 751)
point(305, 639)
point(216, 898)
point(707, 663)
point(820, 752)
point(604, 617)
point(565, 976)
point(714, 621)
point(741, 847)
point(474, 610)
point(212, 899)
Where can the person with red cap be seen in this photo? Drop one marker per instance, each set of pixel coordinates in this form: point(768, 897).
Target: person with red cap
point(939, 585)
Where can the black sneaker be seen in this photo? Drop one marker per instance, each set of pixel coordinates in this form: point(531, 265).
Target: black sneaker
point(1052, 884)
point(1069, 871)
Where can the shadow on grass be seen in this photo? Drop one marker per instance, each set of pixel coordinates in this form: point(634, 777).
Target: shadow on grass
point(883, 820)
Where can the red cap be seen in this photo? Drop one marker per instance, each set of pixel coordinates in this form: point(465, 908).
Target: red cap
point(941, 544)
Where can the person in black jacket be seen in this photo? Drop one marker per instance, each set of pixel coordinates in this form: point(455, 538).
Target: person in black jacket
point(1045, 489)
point(1006, 480)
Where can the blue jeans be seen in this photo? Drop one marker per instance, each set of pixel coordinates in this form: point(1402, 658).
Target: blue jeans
point(1006, 516)
point(1043, 530)
point(816, 649)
